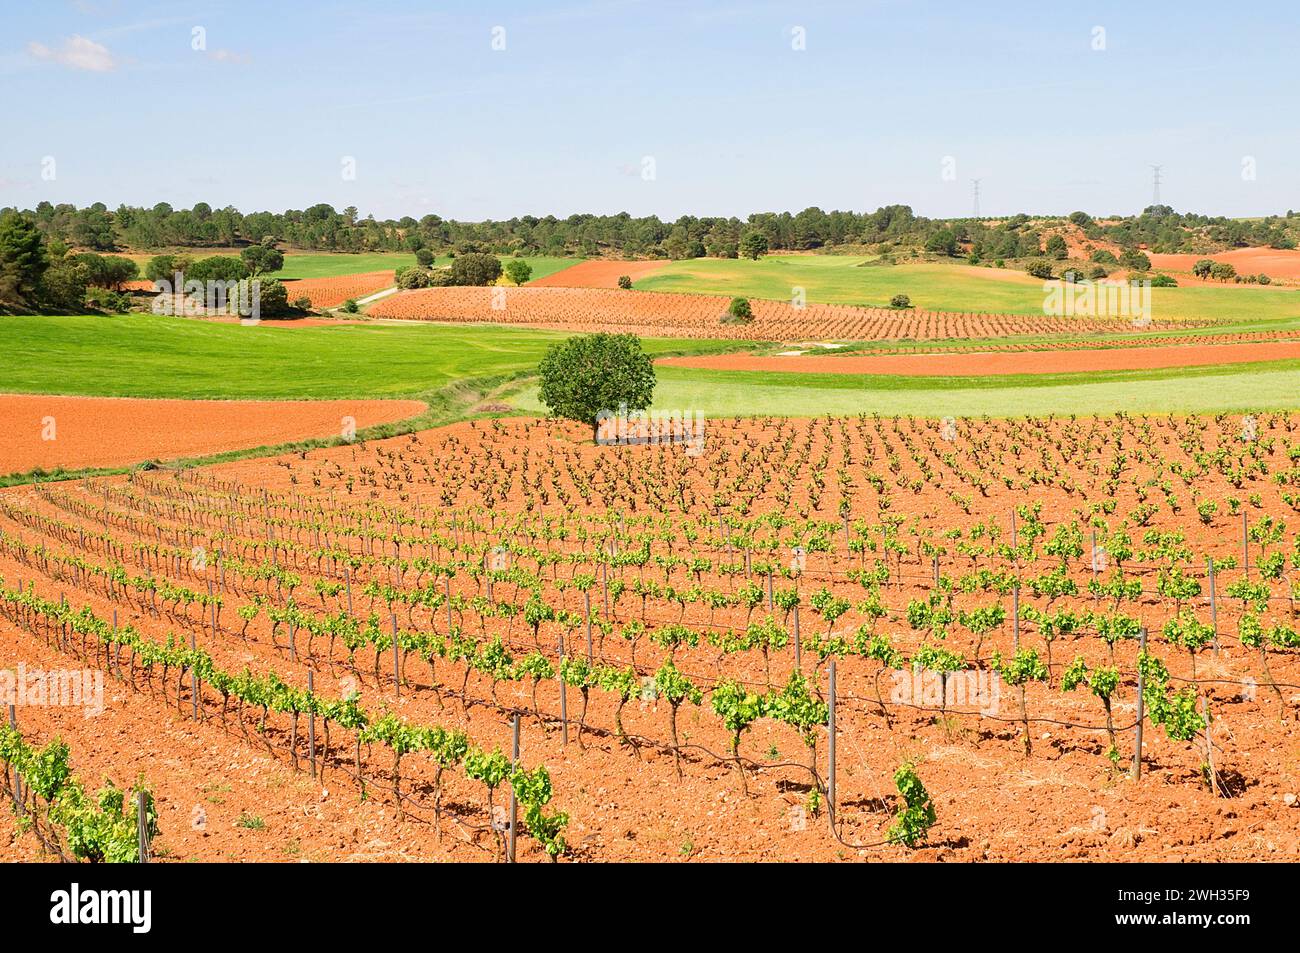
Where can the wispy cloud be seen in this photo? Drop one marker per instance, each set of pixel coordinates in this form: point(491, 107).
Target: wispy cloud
point(77, 52)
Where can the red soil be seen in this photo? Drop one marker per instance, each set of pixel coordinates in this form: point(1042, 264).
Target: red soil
point(597, 273)
point(1275, 262)
point(993, 803)
point(113, 431)
point(332, 292)
point(980, 364)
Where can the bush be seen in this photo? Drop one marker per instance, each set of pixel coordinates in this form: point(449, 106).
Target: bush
point(583, 376)
point(1264, 279)
point(1103, 256)
point(739, 312)
point(475, 268)
point(1056, 248)
point(273, 297)
point(1202, 267)
point(302, 303)
point(411, 278)
point(350, 306)
point(1134, 260)
point(441, 278)
point(1038, 268)
point(625, 282)
point(105, 299)
point(900, 301)
point(107, 271)
point(62, 287)
point(1222, 271)
point(1163, 281)
point(1096, 272)
point(424, 258)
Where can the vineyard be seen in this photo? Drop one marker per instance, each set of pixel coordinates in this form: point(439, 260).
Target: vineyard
point(333, 291)
point(700, 316)
point(820, 639)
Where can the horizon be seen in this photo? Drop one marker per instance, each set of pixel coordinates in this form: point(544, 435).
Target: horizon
point(478, 114)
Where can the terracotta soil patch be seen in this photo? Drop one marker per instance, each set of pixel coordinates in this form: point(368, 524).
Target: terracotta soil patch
point(74, 432)
point(650, 313)
point(998, 363)
point(332, 292)
point(1277, 263)
point(597, 273)
point(389, 519)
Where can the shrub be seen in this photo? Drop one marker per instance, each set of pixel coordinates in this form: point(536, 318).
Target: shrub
point(739, 312)
point(412, 278)
point(475, 268)
point(625, 282)
point(349, 306)
point(441, 278)
point(1104, 257)
point(1096, 272)
point(302, 303)
point(1222, 271)
point(1056, 248)
point(1134, 260)
point(1038, 268)
point(1264, 279)
point(1163, 281)
point(105, 299)
point(900, 301)
point(424, 257)
point(62, 287)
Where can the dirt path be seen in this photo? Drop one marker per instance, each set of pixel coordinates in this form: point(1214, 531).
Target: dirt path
point(74, 432)
point(980, 364)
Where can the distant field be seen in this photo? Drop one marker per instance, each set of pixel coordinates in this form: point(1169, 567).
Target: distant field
point(936, 286)
point(328, 264)
point(332, 264)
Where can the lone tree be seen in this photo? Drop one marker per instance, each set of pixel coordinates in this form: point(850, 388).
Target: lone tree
point(518, 270)
point(582, 376)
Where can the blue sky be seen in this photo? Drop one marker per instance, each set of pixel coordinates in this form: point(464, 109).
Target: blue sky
point(735, 118)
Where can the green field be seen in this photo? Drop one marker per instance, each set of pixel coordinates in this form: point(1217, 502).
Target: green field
point(332, 264)
point(155, 356)
point(742, 393)
point(937, 286)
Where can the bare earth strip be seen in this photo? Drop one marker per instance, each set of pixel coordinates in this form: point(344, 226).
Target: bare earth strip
point(597, 274)
point(74, 432)
point(981, 364)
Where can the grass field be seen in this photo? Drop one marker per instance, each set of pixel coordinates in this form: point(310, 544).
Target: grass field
point(331, 264)
point(155, 356)
point(937, 286)
point(1272, 386)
